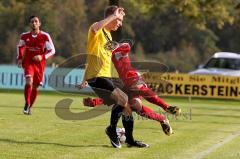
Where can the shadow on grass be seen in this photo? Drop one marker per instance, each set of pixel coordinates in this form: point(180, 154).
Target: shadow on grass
point(10, 141)
point(81, 107)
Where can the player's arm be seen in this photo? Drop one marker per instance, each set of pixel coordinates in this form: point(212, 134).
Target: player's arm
point(101, 24)
point(20, 51)
point(84, 81)
point(50, 49)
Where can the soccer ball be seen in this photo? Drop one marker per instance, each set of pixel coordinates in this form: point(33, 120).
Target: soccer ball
point(121, 134)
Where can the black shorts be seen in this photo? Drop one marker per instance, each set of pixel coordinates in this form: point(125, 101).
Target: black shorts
point(104, 86)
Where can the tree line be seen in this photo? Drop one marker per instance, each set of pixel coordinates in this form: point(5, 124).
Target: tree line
point(178, 33)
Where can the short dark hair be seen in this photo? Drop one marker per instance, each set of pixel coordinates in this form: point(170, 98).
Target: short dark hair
point(110, 10)
point(31, 17)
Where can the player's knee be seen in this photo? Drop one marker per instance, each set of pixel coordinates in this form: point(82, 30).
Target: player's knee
point(136, 104)
point(119, 96)
point(29, 81)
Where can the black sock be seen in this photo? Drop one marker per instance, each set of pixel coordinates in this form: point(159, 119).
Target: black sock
point(128, 123)
point(115, 115)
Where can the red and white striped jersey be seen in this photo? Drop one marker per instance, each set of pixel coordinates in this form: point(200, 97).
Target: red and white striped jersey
point(30, 45)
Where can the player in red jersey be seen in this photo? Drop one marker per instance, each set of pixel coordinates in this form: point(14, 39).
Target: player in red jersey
point(136, 88)
point(133, 81)
point(33, 49)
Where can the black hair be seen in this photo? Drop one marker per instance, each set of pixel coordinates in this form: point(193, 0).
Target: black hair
point(31, 17)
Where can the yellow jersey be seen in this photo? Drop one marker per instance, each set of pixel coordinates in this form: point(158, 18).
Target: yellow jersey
point(99, 62)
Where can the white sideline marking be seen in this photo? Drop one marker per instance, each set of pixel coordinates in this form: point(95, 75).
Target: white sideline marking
point(216, 146)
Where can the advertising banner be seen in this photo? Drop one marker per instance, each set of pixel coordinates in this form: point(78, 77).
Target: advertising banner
point(210, 86)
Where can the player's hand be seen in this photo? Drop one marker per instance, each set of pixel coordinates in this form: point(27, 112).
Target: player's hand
point(82, 85)
point(19, 63)
point(119, 12)
point(37, 58)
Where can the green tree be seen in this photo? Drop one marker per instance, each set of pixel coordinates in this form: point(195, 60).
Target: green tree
point(72, 22)
point(175, 25)
point(10, 22)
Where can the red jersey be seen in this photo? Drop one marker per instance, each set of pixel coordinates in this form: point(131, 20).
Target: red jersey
point(31, 45)
point(122, 63)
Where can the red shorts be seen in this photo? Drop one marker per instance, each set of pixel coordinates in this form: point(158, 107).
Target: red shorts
point(34, 71)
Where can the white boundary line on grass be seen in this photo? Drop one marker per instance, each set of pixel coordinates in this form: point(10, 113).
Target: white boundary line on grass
point(216, 146)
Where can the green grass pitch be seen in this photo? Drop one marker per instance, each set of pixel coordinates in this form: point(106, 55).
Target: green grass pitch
point(212, 131)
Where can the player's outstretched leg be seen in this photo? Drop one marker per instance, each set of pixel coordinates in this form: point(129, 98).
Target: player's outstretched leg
point(169, 109)
point(167, 129)
point(173, 110)
point(150, 114)
point(152, 97)
point(146, 112)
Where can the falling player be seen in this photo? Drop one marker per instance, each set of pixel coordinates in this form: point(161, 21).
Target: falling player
point(133, 81)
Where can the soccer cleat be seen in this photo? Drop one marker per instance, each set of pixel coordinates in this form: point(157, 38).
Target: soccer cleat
point(138, 144)
point(173, 110)
point(26, 110)
point(167, 129)
point(112, 134)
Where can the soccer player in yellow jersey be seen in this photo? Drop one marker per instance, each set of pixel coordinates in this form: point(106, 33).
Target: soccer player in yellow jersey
point(98, 75)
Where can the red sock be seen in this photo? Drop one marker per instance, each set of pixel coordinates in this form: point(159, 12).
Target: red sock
point(34, 95)
point(151, 96)
point(150, 114)
point(27, 93)
point(158, 101)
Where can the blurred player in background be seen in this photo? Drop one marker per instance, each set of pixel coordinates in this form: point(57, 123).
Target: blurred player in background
point(33, 49)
